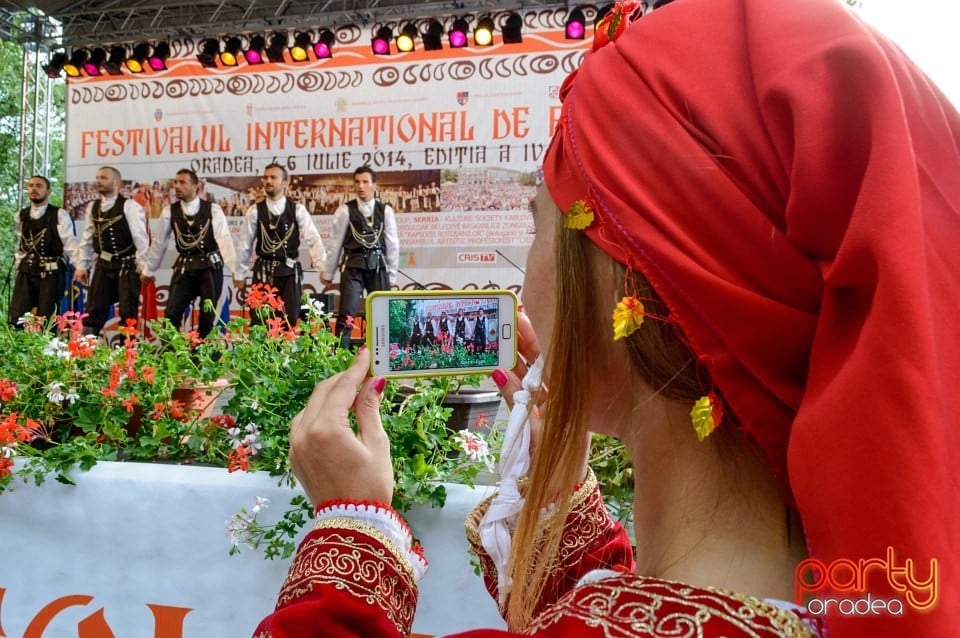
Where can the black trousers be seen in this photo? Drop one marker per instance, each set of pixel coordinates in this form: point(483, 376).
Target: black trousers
point(112, 283)
point(289, 289)
point(40, 291)
point(353, 281)
point(187, 285)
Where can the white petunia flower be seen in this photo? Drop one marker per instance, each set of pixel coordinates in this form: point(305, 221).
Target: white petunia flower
point(314, 307)
point(57, 348)
point(252, 440)
point(55, 392)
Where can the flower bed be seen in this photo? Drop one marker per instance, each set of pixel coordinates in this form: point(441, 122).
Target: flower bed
point(68, 401)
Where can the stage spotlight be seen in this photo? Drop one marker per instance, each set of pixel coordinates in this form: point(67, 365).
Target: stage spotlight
point(138, 57)
point(433, 36)
point(576, 25)
point(483, 34)
point(114, 64)
point(458, 34)
point(278, 44)
point(255, 50)
point(380, 44)
point(55, 65)
point(98, 57)
point(407, 38)
point(230, 56)
point(324, 46)
point(601, 14)
point(302, 43)
point(512, 30)
point(158, 59)
point(77, 59)
point(209, 52)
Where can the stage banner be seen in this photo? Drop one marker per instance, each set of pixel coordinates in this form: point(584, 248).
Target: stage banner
point(456, 136)
point(140, 550)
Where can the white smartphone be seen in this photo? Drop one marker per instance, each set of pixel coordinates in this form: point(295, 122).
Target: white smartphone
point(436, 332)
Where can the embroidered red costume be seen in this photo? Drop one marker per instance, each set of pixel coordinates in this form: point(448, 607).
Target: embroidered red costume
point(355, 575)
point(787, 182)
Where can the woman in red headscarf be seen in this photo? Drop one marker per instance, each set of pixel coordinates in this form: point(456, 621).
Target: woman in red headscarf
point(766, 198)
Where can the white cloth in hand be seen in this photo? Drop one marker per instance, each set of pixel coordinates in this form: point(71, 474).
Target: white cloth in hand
point(497, 524)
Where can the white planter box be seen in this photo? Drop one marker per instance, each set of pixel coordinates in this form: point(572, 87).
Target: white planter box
point(142, 549)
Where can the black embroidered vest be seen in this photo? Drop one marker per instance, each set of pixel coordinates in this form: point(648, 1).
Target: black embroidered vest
point(364, 244)
point(278, 243)
point(197, 246)
point(278, 237)
point(39, 239)
point(111, 233)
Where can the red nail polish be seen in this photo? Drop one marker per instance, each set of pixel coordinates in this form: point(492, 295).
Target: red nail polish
point(499, 377)
point(378, 384)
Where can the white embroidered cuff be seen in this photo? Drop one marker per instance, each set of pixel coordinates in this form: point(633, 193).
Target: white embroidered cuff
point(388, 523)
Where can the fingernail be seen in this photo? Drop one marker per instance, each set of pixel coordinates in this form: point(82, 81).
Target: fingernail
point(362, 348)
point(378, 384)
point(499, 377)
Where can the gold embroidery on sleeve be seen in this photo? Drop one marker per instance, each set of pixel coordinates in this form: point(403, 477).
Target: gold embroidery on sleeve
point(356, 558)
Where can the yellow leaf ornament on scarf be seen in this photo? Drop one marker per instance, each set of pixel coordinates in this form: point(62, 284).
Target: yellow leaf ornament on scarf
point(704, 416)
point(627, 317)
point(579, 215)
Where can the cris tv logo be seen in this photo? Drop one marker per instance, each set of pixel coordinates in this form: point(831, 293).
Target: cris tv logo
point(843, 586)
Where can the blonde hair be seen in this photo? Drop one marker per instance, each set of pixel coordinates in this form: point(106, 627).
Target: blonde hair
point(586, 280)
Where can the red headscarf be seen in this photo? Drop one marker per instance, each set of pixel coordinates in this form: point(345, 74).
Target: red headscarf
point(789, 183)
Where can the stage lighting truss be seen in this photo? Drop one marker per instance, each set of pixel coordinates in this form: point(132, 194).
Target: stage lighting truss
point(380, 44)
point(483, 33)
point(230, 55)
point(575, 26)
point(512, 30)
point(324, 47)
point(407, 38)
point(302, 44)
point(458, 33)
point(229, 51)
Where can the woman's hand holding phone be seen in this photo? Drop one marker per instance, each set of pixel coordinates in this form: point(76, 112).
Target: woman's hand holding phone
point(329, 460)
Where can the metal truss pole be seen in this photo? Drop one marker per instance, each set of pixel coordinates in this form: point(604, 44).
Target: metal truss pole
point(35, 109)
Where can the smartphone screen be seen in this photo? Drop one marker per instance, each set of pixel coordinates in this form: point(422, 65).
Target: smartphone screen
point(441, 332)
